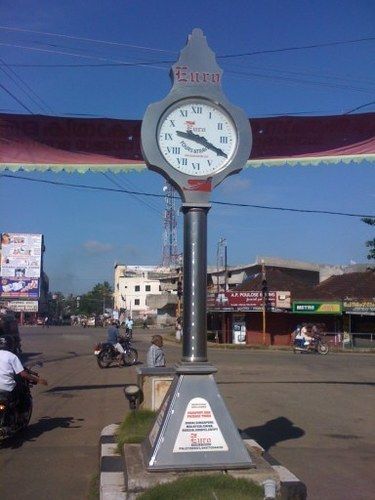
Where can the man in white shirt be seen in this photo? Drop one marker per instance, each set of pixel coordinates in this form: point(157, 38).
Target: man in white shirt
point(129, 327)
point(305, 335)
point(10, 366)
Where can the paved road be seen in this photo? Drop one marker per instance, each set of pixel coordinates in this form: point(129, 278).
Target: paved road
point(313, 413)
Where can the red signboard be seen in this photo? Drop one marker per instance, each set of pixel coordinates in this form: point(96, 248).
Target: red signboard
point(251, 300)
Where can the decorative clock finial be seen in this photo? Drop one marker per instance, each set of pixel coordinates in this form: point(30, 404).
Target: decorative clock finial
point(196, 64)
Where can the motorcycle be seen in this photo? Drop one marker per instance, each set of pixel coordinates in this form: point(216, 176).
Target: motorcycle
point(15, 411)
point(317, 345)
point(107, 355)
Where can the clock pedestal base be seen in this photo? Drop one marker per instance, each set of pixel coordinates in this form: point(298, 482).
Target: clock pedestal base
point(194, 430)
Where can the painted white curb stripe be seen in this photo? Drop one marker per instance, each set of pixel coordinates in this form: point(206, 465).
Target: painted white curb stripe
point(109, 430)
point(284, 474)
point(109, 450)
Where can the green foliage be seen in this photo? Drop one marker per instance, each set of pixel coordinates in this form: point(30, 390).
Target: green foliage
point(95, 301)
point(135, 427)
point(94, 486)
point(217, 486)
point(91, 303)
point(371, 243)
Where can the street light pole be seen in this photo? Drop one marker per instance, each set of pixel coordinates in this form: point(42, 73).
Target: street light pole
point(264, 293)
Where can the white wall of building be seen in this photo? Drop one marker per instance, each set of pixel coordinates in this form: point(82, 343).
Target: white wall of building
point(132, 286)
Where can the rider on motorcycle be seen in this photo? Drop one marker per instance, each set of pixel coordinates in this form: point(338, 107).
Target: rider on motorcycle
point(113, 337)
point(305, 335)
point(10, 366)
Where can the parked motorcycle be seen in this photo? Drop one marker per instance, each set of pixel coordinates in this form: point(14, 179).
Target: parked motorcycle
point(107, 355)
point(317, 345)
point(15, 411)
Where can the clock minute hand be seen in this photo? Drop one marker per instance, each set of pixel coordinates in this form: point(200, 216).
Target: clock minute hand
point(202, 140)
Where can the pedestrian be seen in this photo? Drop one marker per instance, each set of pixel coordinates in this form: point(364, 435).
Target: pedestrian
point(144, 323)
point(178, 329)
point(46, 322)
point(155, 354)
point(129, 327)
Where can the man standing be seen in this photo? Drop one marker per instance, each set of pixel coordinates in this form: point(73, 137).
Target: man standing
point(129, 327)
point(155, 354)
point(178, 329)
point(144, 322)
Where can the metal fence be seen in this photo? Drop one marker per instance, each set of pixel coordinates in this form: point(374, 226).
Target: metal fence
point(351, 340)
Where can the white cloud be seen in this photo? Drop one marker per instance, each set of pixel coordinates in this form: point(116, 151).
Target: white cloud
point(93, 246)
point(234, 185)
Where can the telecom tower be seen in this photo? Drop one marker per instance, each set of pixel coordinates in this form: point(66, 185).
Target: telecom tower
point(171, 257)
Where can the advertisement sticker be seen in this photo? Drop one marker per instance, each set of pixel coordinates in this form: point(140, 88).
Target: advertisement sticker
point(199, 430)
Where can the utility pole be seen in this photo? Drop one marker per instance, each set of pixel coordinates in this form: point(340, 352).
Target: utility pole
point(170, 250)
point(179, 293)
point(221, 262)
point(264, 299)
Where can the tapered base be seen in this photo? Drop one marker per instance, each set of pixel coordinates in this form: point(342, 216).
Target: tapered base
point(194, 430)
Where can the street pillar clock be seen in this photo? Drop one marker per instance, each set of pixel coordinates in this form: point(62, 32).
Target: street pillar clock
point(195, 137)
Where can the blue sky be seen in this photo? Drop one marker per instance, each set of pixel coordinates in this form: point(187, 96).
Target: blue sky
point(86, 232)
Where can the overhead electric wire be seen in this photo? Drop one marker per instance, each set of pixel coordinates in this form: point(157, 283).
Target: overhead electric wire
point(225, 56)
point(72, 54)
point(16, 99)
point(360, 107)
point(298, 47)
point(92, 40)
point(298, 81)
point(16, 79)
point(140, 193)
point(145, 203)
point(156, 65)
point(232, 66)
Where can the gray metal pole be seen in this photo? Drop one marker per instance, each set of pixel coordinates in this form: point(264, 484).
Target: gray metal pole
point(194, 347)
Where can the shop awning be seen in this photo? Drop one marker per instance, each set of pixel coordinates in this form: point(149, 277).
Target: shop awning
point(36, 142)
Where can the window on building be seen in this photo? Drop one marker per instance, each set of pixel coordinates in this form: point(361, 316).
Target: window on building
point(137, 288)
point(148, 288)
point(137, 302)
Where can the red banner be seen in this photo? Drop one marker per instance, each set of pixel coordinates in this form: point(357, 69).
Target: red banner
point(251, 300)
point(52, 142)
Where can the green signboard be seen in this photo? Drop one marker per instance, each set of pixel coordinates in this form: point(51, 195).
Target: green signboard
point(307, 307)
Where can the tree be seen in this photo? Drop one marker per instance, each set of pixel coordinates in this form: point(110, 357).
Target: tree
point(97, 300)
point(371, 243)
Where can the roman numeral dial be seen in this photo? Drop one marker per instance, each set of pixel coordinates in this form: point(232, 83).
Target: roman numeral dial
point(197, 137)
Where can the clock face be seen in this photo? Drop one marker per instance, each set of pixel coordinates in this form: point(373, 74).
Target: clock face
point(197, 137)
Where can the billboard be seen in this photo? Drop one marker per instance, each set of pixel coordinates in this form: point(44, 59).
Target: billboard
point(23, 305)
point(315, 307)
point(252, 300)
point(20, 265)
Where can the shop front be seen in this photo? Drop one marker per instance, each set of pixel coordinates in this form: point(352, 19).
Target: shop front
point(359, 324)
point(249, 318)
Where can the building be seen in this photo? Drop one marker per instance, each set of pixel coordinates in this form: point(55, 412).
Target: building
point(140, 290)
point(344, 300)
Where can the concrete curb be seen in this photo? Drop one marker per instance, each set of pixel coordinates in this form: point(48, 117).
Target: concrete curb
point(112, 471)
point(112, 482)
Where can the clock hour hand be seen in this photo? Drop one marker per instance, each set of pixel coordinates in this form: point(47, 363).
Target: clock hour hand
point(201, 140)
